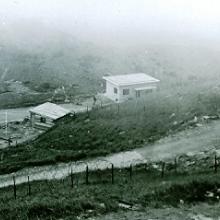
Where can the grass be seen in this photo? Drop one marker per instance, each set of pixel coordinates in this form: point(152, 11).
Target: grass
point(112, 129)
point(56, 199)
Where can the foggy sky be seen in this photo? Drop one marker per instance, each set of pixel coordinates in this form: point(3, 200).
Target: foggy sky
point(118, 18)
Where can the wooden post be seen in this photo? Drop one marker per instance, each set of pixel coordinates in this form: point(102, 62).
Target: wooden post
point(118, 109)
point(112, 173)
point(175, 165)
point(145, 166)
point(163, 169)
point(215, 165)
point(71, 176)
point(62, 181)
point(15, 193)
point(29, 186)
point(130, 171)
point(87, 175)
point(87, 110)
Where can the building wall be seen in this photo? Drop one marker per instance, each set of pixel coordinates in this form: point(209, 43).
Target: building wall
point(120, 97)
point(36, 121)
point(132, 91)
point(110, 91)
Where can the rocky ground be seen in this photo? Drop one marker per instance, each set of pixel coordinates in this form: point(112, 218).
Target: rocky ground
point(17, 132)
point(17, 94)
point(198, 212)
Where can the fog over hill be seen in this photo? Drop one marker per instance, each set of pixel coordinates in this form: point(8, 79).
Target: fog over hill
point(49, 42)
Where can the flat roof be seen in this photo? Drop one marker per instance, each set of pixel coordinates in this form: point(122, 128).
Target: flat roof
point(50, 110)
point(131, 79)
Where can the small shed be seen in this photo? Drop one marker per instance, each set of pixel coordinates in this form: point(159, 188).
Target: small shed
point(120, 88)
point(43, 116)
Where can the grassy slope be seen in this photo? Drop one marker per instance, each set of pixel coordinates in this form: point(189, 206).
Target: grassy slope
point(106, 130)
point(56, 199)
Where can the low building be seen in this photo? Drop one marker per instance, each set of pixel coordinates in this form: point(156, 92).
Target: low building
point(120, 88)
point(44, 116)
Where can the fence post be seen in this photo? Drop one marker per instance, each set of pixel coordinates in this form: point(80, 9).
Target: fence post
point(112, 173)
point(163, 169)
point(15, 194)
point(87, 110)
point(71, 176)
point(175, 164)
point(145, 166)
point(87, 174)
point(130, 171)
point(215, 165)
point(29, 186)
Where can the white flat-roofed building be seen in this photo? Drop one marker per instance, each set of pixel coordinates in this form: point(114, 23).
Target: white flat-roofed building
point(120, 88)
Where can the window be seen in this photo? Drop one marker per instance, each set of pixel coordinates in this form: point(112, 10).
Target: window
point(115, 90)
point(138, 94)
point(126, 91)
point(43, 120)
point(148, 91)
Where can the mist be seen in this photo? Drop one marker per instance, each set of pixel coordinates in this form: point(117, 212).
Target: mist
point(111, 21)
point(80, 41)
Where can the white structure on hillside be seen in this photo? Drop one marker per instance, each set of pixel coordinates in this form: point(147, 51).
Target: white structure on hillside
point(43, 116)
point(120, 88)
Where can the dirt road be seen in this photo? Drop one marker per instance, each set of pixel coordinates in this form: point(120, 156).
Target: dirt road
point(192, 140)
point(195, 139)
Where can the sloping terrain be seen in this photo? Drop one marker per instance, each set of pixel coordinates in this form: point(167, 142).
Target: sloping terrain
point(114, 129)
point(189, 191)
point(43, 54)
point(189, 142)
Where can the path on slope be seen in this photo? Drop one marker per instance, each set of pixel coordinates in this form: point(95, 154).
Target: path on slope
point(191, 140)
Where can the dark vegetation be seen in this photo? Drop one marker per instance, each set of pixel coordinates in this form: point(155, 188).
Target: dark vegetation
point(19, 94)
point(13, 100)
point(57, 199)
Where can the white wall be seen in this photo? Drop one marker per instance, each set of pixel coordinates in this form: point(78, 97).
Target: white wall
point(132, 93)
point(119, 96)
point(110, 91)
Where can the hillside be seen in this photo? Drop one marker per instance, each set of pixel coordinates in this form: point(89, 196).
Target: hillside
point(188, 190)
point(43, 54)
point(114, 129)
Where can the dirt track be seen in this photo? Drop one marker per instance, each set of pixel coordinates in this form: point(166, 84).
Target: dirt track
point(195, 139)
point(192, 140)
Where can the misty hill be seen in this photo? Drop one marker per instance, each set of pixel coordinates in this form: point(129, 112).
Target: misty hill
point(33, 52)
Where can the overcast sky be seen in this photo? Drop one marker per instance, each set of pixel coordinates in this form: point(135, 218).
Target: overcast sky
point(115, 17)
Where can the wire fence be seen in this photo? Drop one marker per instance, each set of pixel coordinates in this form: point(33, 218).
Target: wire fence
point(114, 175)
